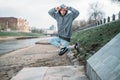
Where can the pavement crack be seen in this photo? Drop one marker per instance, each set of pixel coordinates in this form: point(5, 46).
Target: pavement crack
point(45, 73)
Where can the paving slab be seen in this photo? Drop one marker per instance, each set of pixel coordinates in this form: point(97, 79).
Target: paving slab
point(51, 73)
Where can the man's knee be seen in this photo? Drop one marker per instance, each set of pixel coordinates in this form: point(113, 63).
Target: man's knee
point(55, 41)
point(64, 43)
point(52, 40)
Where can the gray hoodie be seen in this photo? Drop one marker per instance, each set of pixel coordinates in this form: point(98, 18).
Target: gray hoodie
point(64, 23)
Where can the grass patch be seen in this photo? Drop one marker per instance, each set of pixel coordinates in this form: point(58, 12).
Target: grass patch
point(19, 34)
point(93, 39)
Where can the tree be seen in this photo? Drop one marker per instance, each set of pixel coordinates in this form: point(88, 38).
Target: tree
point(75, 25)
point(52, 27)
point(36, 30)
point(83, 23)
point(116, 1)
point(95, 12)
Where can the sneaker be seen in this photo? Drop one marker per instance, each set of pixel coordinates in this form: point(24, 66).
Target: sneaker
point(63, 51)
point(77, 47)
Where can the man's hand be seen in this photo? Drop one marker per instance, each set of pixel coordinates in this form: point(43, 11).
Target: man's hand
point(57, 8)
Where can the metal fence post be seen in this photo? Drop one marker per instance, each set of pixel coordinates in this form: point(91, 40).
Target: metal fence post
point(104, 20)
point(119, 16)
point(96, 23)
point(100, 21)
point(108, 19)
point(113, 17)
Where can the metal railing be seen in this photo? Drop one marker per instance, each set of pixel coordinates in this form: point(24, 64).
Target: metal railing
point(109, 19)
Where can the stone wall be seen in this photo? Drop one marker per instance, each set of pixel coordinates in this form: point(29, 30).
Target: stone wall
point(14, 24)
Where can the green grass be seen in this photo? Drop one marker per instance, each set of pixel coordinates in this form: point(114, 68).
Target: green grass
point(93, 39)
point(19, 34)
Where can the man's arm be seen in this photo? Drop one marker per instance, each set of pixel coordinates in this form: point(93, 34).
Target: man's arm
point(74, 11)
point(53, 12)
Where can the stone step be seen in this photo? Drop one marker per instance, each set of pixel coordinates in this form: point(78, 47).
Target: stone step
point(52, 73)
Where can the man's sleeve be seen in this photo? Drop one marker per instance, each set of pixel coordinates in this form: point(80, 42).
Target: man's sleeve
point(53, 13)
point(74, 11)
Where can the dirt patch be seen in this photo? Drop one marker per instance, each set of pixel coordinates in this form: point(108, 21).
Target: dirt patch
point(53, 61)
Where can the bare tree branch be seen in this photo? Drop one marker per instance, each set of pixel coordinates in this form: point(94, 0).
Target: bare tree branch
point(116, 1)
point(95, 12)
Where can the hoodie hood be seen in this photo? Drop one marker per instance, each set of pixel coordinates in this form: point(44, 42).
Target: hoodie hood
point(63, 6)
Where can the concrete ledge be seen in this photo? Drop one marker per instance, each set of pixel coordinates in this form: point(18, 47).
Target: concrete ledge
point(44, 42)
point(105, 64)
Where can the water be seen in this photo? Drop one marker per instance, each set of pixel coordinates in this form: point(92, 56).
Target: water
point(8, 46)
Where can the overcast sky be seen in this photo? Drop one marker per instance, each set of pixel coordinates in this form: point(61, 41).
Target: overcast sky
point(36, 11)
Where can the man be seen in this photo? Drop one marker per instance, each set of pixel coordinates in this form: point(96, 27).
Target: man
point(64, 16)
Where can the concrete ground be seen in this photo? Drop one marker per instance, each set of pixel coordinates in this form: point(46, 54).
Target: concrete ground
point(52, 73)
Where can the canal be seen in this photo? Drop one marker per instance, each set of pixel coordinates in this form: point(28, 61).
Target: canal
point(11, 45)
